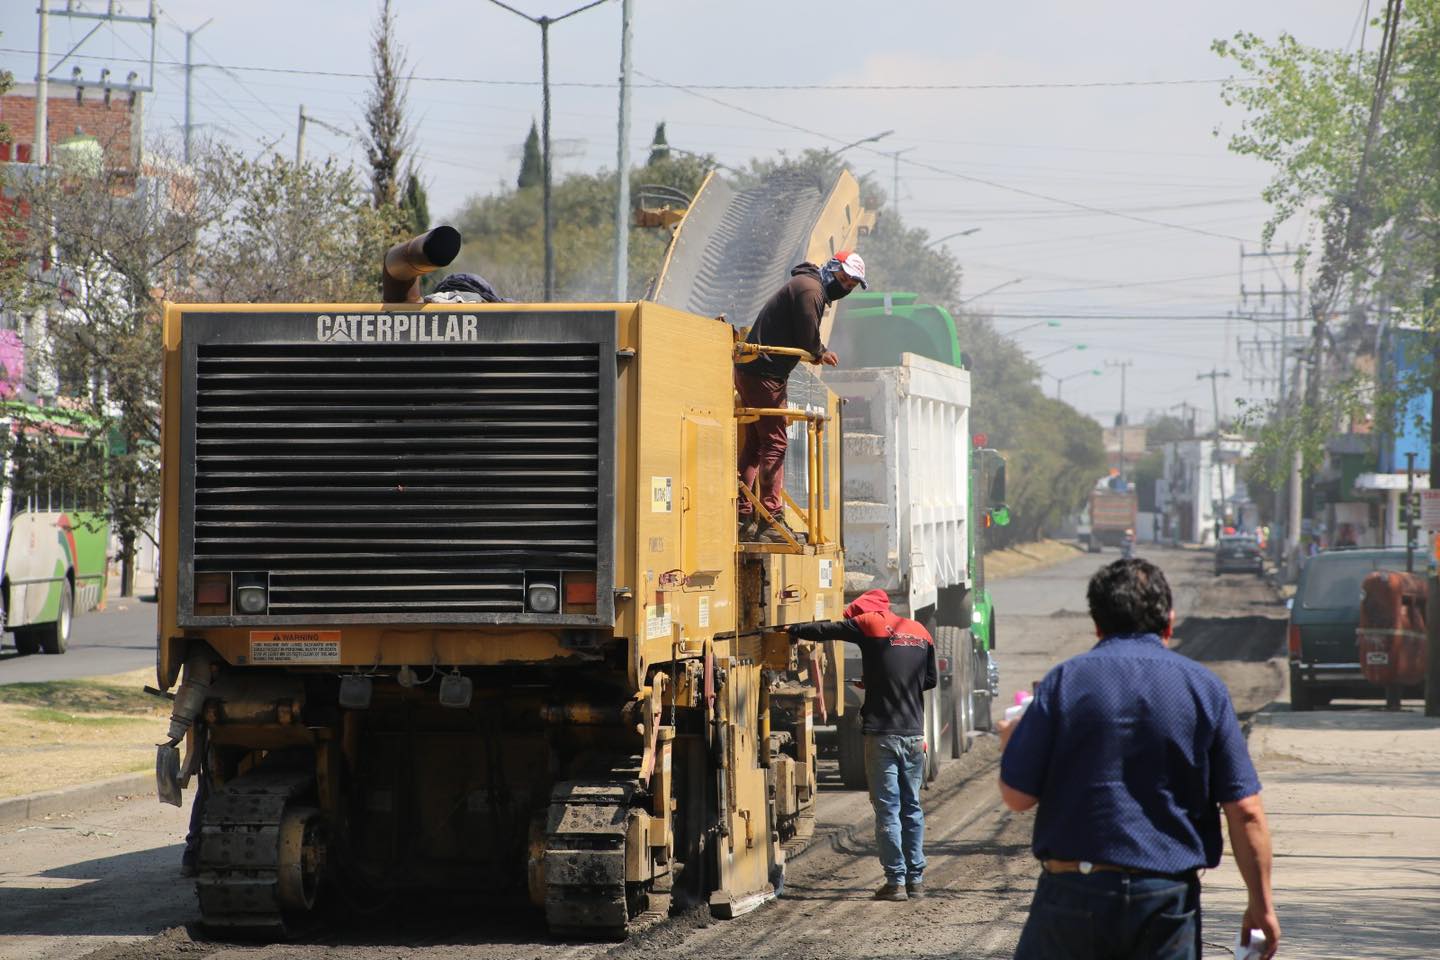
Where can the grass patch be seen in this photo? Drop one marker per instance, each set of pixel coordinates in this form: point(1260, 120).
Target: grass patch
point(81, 696)
point(51, 715)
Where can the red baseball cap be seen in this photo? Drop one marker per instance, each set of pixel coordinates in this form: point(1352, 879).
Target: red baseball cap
point(853, 265)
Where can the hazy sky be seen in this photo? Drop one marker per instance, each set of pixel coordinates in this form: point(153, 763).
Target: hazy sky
point(1039, 119)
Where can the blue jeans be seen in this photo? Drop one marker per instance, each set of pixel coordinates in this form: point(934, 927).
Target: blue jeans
point(894, 766)
point(1112, 916)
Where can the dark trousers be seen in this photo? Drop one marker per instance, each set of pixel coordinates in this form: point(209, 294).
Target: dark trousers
point(762, 443)
point(1112, 916)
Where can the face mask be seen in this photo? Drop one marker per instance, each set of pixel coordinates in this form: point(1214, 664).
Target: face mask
point(829, 280)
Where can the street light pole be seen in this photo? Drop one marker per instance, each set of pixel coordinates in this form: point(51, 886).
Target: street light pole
point(871, 139)
point(1123, 365)
point(1060, 380)
point(622, 162)
point(997, 286)
point(1056, 353)
point(948, 236)
point(544, 24)
point(1214, 377)
point(1032, 326)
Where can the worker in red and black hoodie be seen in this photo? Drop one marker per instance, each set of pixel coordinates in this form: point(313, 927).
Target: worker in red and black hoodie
point(899, 657)
point(790, 318)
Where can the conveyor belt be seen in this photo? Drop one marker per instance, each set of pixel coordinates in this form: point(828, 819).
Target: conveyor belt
point(736, 247)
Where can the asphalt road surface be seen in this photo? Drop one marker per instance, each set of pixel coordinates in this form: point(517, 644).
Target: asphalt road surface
point(103, 885)
point(114, 640)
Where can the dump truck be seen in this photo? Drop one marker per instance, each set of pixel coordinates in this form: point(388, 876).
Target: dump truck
point(453, 599)
point(1110, 512)
point(919, 494)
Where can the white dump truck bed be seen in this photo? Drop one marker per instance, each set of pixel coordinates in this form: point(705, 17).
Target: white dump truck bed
point(906, 476)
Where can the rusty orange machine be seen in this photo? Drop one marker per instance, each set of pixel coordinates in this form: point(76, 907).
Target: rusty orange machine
point(454, 601)
point(1390, 639)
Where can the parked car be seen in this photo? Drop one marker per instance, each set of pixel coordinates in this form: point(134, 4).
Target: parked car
point(1324, 655)
point(1239, 552)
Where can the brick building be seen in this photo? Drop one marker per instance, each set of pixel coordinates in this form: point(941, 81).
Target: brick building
point(114, 120)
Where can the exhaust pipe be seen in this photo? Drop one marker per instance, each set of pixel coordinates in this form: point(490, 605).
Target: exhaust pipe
point(408, 261)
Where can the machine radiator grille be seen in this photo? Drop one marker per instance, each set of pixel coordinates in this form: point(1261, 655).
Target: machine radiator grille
point(394, 478)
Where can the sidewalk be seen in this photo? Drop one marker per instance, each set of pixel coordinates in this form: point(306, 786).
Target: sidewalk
point(144, 583)
point(1353, 798)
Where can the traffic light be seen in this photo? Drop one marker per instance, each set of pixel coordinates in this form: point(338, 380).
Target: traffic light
point(1409, 508)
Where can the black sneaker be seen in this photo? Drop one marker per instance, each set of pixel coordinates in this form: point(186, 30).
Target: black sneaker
point(893, 892)
point(915, 890)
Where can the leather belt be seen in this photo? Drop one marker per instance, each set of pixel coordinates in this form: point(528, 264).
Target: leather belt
point(1083, 866)
point(1086, 867)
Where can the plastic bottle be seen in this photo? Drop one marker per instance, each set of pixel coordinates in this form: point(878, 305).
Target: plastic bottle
point(1022, 700)
point(1256, 948)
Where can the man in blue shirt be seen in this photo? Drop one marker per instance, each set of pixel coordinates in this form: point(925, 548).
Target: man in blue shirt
point(1131, 751)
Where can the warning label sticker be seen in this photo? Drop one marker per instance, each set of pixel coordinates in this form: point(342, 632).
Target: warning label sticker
point(657, 621)
point(294, 646)
point(820, 608)
point(662, 495)
point(704, 613)
point(827, 574)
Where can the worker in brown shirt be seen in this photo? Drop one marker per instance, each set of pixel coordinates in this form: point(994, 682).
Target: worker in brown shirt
point(790, 318)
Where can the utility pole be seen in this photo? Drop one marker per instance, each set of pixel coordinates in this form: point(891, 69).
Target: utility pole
point(1432, 612)
point(42, 92)
point(1214, 377)
point(189, 71)
point(300, 138)
point(544, 24)
point(894, 156)
point(1296, 494)
point(622, 162)
point(1122, 364)
point(304, 122)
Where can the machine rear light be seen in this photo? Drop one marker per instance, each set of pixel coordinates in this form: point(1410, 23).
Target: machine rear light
point(944, 664)
point(579, 588)
point(212, 588)
point(578, 594)
point(1292, 641)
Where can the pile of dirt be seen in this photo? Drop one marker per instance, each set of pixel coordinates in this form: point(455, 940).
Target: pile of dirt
point(1249, 638)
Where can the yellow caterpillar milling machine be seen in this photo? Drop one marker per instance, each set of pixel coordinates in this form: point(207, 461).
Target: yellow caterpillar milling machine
point(455, 593)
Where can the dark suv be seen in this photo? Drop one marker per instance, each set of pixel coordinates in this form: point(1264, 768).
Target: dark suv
point(1324, 659)
point(1238, 552)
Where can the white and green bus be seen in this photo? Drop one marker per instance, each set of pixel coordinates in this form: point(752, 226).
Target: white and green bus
point(55, 531)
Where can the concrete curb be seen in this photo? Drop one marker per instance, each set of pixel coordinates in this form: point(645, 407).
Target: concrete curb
point(34, 806)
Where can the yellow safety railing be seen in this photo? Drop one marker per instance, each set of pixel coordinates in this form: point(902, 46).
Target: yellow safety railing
point(814, 512)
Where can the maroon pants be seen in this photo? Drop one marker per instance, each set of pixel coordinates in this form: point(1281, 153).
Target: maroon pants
point(762, 443)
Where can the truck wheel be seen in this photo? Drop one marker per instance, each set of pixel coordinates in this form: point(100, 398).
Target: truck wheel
point(851, 743)
point(26, 641)
point(55, 636)
point(1301, 699)
point(953, 643)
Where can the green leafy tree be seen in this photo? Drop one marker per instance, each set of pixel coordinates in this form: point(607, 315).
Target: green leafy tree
point(415, 205)
point(659, 146)
point(532, 162)
point(387, 134)
point(1353, 137)
point(223, 228)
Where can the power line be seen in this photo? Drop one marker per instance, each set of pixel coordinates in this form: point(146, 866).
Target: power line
point(759, 87)
point(955, 174)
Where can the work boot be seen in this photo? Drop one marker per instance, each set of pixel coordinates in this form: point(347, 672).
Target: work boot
point(772, 534)
point(893, 892)
point(749, 528)
point(915, 889)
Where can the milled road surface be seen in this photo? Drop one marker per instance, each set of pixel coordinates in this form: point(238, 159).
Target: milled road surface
point(67, 894)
